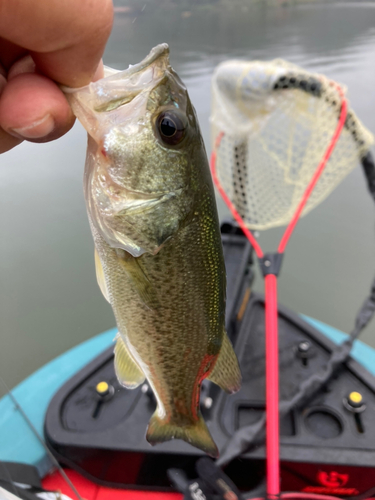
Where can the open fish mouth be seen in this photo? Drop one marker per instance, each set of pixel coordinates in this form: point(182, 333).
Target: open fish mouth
point(107, 101)
point(98, 98)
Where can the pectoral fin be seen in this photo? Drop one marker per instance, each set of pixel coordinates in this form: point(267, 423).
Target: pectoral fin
point(138, 278)
point(100, 276)
point(226, 373)
point(127, 369)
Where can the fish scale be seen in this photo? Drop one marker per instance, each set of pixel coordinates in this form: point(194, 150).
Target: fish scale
point(159, 260)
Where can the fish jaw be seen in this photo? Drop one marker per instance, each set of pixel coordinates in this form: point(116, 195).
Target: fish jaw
point(98, 105)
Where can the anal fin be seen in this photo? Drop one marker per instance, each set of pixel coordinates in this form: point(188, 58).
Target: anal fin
point(226, 373)
point(128, 372)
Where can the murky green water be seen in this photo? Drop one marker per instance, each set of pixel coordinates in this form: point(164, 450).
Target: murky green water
point(49, 299)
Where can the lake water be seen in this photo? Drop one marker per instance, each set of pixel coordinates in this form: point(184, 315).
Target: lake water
point(49, 299)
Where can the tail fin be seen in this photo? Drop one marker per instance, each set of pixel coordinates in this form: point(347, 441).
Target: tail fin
point(196, 434)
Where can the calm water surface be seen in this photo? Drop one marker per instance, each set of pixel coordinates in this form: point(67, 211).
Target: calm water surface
point(49, 297)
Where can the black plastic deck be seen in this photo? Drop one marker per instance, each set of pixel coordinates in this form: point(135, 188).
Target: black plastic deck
point(106, 440)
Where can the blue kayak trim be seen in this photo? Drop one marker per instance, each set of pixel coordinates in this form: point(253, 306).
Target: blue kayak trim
point(17, 441)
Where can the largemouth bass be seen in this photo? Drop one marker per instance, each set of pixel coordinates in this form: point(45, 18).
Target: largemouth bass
point(159, 259)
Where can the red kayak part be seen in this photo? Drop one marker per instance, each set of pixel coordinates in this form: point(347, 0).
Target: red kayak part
point(91, 491)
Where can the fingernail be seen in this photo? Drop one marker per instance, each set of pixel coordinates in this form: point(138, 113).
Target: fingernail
point(38, 129)
point(24, 65)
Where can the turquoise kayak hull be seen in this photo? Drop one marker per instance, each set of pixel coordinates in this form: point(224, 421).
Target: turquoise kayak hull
point(18, 443)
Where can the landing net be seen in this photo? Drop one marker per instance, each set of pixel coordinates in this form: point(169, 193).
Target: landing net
point(283, 140)
point(277, 121)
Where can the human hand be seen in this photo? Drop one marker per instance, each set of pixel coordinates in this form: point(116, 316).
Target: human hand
point(43, 42)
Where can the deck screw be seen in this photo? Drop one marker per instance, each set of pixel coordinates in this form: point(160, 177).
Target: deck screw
point(207, 403)
point(304, 346)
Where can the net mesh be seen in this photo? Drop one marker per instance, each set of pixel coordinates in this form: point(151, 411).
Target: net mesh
point(277, 121)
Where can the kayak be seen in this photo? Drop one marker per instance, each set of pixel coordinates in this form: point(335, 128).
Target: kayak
point(322, 441)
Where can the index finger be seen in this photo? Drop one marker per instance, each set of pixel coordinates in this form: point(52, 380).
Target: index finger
point(65, 38)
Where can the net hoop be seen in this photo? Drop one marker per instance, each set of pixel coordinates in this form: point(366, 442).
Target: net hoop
point(277, 120)
point(318, 172)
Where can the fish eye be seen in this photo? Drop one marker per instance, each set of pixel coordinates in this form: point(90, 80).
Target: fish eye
point(171, 128)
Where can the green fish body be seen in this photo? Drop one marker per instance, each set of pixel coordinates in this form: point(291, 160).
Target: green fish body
point(159, 259)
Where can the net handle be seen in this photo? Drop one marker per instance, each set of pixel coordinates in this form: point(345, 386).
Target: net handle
point(271, 315)
point(272, 388)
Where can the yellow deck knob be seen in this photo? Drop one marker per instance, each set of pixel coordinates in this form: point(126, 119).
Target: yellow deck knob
point(102, 388)
point(355, 397)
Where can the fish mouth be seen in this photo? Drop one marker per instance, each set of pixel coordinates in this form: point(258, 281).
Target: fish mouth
point(93, 104)
point(161, 52)
point(109, 93)
point(157, 60)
